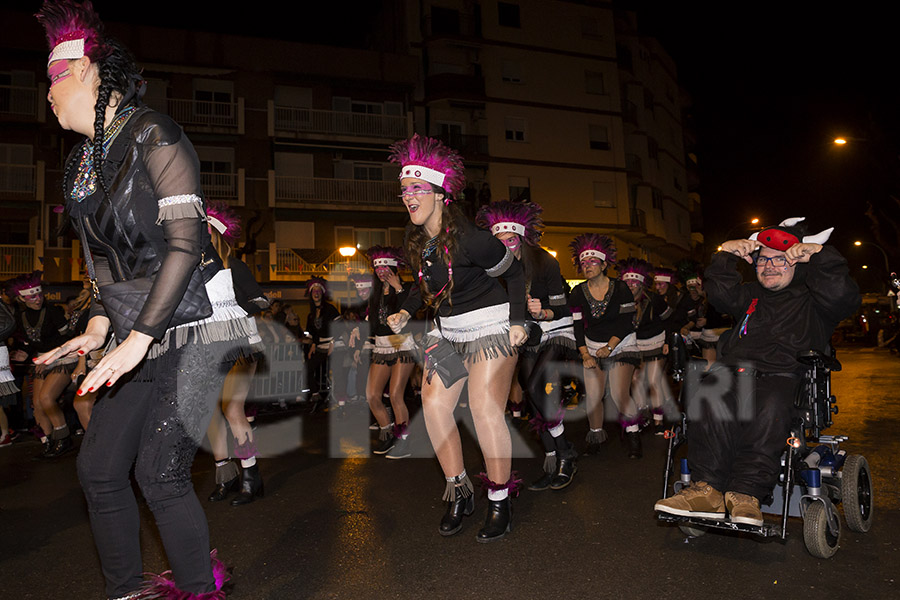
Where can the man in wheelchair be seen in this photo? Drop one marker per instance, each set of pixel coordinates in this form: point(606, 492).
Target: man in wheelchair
point(740, 411)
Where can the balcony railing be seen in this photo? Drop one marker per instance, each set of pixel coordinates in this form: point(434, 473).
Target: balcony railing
point(224, 186)
point(203, 113)
point(18, 100)
point(289, 264)
point(15, 260)
point(18, 179)
point(634, 165)
point(333, 192)
point(289, 119)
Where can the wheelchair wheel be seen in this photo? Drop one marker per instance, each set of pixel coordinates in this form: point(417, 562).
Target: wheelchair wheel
point(818, 539)
point(856, 493)
point(691, 531)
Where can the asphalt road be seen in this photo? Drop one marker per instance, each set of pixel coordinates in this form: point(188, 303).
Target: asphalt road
point(367, 527)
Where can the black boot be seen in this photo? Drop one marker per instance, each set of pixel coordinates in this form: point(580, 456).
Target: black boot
point(459, 507)
point(223, 489)
point(60, 447)
point(251, 486)
point(565, 470)
point(543, 482)
point(498, 522)
point(635, 449)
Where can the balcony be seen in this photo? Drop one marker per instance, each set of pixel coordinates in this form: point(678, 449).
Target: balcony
point(291, 121)
point(203, 115)
point(289, 265)
point(334, 194)
point(23, 102)
point(634, 165)
point(20, 181)
point(17, 259)
point(454, 85)
point(224, 186)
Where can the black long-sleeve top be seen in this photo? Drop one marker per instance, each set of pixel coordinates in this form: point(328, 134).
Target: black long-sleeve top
point(544, 281)
point(246, 289)
point(603, 319)
point(781, 324)
point(319, 328)
point(381, 306)
point(652, 308)
point(477, 260)
point(52, 332)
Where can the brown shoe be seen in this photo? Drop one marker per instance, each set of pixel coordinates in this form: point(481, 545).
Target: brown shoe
point(699, 500)
point(743, 508)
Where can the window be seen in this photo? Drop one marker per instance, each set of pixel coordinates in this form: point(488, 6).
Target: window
point(444, 20)
point(511, 71)
point(17, 172)
point(213, 98)
point(515, 129)
point(593, 83)
point(18, 94)
point(657, 202)
point(677, 183)
point(366, 238)
point(368, 171)
point(624, 58)
point(599, 137)
point(216, 171)
point(508, 15)
point(653, 149)
point(519, 189)
point(604, 194)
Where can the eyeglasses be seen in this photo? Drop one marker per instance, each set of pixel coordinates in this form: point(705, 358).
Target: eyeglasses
point(412, 193)
point(777, 261)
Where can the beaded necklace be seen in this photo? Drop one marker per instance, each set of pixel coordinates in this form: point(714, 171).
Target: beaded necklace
point(33, 333)
point(430, 247)
point(86, 178)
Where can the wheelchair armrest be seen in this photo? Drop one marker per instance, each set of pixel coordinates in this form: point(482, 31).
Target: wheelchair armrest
point(814, 358)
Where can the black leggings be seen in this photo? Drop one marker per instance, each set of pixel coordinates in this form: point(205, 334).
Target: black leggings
point(536, 369)
point(156, 425)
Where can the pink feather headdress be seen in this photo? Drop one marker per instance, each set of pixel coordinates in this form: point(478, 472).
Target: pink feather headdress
point(317, 281)
point(361, 280)
point(223, 218)
point(430, 160)
point(386, 256)
point(523, 218)
point(73, 30)
point(635, 269)
point(28, 284)
point(594, 245)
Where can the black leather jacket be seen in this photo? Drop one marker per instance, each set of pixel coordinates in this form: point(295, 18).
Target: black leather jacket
point(153, 222)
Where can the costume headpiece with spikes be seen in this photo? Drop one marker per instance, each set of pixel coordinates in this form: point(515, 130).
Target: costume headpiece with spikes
point(663, 275)
point(28, 284)
point(787, 233)
point(592, 245)
point(689, 271)
point(223, 219)
point(523, 218)
point(317, 282)
point(430, 160)
point(73, 30)
point(361, 280)
point(635, 269)
point(386, 256)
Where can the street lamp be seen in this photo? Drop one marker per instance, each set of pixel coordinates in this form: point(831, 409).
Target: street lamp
point(347, 252)
point(887, 267)
point(742, 225)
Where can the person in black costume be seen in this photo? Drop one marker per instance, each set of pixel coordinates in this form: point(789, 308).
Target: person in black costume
point(518, 225)
point(318, 324)
point(132, 192)
point(802, 291)
point(479, 328)
point(394, 356)
point(41, 327)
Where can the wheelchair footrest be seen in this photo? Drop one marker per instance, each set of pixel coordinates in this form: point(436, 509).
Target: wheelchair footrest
point(764, 530)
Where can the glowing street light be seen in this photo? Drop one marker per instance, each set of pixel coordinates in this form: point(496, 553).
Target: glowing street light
point(754, 221)
point(347, 251)
point(840, 141)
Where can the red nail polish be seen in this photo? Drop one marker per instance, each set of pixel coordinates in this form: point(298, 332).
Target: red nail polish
point(108, 383)
point(33, 360)
point(80, 392)
point(81, 352)
point(90, 389)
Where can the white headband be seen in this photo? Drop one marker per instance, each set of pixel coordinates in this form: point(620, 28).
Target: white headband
point(69, 50)
point(633, 275)
point(424, 173)
point(507, 226)
point(692, 280)
point(591, 253)
point(363, 284)
point(384, 262)
point(32, 291)
point(662, 278)
point(217, 224)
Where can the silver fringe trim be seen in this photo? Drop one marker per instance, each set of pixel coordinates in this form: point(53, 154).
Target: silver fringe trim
point(596, 437)
point(484, 348)
point(385, 433)
point(8, 388)
point(550, 462)
point(461, 484)
point(226, 472)
point(186, 206)
point(206, 333)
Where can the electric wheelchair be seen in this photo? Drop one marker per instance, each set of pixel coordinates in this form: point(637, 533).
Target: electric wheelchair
point(816, 473)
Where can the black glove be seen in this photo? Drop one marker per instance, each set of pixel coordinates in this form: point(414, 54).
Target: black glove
point(441, 358)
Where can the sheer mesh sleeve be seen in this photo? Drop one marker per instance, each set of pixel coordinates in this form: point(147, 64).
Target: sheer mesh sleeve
point(104, 277)
point(173, 168)
point(183, 251)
